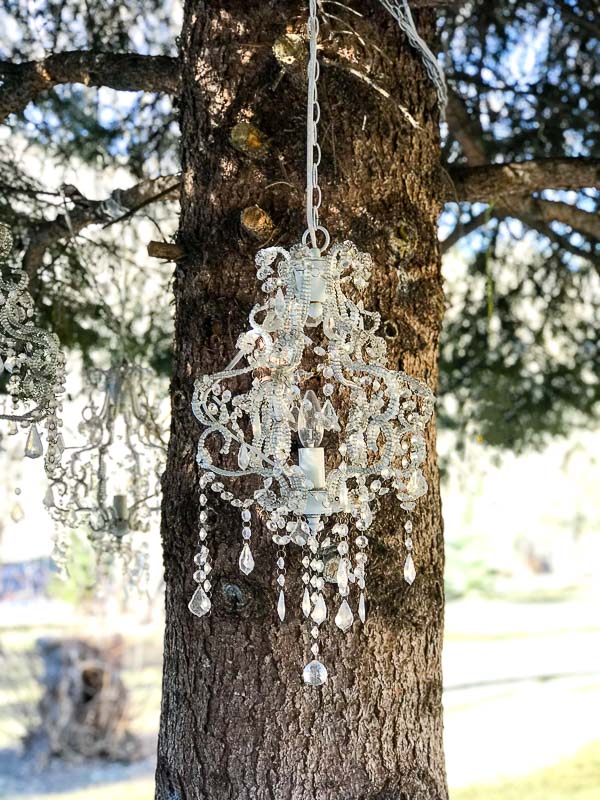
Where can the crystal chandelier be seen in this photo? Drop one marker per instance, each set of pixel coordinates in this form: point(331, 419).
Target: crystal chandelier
point(32, 364)
point(111, 482)
point(311, 370)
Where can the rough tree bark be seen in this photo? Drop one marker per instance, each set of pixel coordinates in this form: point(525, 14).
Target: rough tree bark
point(237, 721)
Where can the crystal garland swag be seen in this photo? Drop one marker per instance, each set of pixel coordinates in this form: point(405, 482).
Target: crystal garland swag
point(309, 346)
point(33, 361)
point(111, 483)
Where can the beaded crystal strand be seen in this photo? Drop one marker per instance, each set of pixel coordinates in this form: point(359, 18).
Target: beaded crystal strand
point(200, 603)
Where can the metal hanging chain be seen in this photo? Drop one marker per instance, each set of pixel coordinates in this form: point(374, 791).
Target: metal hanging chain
point(400, 10)
point(313, 150)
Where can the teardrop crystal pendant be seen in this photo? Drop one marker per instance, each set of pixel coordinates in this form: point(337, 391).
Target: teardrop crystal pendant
point(49, 498)
point(319, 612)
point(34, 447)
point(306, 603)
point(344, 617)
point(281, 606)
point(315, 673)
point(200, 603)
point(342, 577)
point(410, 573)
point(330, 418)
point(246, 560)
point(362, 611)
point(244, 457)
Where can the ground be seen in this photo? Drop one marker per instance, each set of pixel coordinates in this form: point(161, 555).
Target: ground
point(522, 700)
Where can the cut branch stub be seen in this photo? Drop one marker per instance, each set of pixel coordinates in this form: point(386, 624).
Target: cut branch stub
point(165, 250)
point(257, 222)
point(291, 53)
point(248, 139)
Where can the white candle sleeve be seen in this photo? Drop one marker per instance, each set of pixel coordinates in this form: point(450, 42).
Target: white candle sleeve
point(312, 464)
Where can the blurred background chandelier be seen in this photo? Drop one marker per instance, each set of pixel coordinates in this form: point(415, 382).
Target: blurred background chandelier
point(110, 484)
point(32, 366)
point(311, 371)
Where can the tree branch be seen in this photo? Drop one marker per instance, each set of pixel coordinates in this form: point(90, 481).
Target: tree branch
point(509, 186)
point(21, 83)
point(463, 229)
point(488, 182)
point(466, 130)
point(119, 205)
point(534, 212)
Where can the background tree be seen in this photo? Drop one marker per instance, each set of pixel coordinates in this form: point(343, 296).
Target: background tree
point(518, 165)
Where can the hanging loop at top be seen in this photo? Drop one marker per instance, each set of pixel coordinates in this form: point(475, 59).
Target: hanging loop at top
point(313, 151)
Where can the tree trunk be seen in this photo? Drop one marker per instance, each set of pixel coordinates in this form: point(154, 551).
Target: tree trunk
point(237, 720)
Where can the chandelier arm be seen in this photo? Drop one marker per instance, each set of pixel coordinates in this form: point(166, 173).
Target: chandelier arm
point(216, 427)
point(34, 415)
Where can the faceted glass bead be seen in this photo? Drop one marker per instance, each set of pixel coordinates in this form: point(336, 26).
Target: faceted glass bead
point(200, 603)
point(315, 673)
point(246, 561)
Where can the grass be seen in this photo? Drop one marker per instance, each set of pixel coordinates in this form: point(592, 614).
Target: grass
point(139, 789)
point(577, 778)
